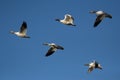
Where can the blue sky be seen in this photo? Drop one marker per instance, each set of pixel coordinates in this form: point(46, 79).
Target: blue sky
point(24, 59)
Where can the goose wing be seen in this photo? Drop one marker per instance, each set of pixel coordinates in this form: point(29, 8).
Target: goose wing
point(99, 66)
point(108, 15)
point(69, 18)
point(50, 51)
point(90, 69)
point(23, 28)
point(98, 20)
point(59, 47)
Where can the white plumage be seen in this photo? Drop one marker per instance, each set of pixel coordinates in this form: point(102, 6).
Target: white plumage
point(100, 16)
point(53, 48)
point(93, 65)
point(68, 20)
point(22, 32)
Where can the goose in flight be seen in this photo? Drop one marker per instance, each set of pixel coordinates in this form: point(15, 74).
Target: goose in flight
point(68, 20)
point(53, 48)
point(93, 65)
point(100, 16)
point(22, 32)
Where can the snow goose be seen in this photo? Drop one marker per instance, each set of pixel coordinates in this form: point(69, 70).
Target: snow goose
point(22, 32)
point(68, 20)
point(93, 65)
point(100, 16)
point(53, 48)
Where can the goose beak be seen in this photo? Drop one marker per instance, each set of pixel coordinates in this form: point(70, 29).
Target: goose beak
point(12, 32)
point(45, 43)
point(57, 19)
point(92, 12)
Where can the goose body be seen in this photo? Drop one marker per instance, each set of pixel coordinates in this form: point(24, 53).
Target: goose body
point(68, 20)
point(93, 65)
point(100, 16)
point(53, 48)
point(22, 32)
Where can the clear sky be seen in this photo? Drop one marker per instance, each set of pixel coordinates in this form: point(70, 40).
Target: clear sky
point(24, 59)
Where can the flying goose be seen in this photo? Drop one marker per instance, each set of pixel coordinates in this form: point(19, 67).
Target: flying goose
point(53, 48)
point(22, 32)
point(100, 16)
point(68, 20)
point(93, 65)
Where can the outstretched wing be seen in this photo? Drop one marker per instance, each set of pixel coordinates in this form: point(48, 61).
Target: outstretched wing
point(98, 20)
point(90, 69)
point(59, 47)
point(23, 28)
point(108, 15)
point(50, 51)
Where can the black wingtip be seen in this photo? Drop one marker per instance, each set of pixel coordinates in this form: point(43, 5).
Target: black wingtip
point(26, 37)
point(73, 25)
point(110, 17)
point(95, 26)
point(24, 24)
point(62, 48)
point(47, 55)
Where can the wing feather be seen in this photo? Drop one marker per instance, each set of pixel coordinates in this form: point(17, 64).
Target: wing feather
point(59, 47)
point(90, 69)
point(69, 18)
point(50, 51)
point(23, 28)
point(98, 20)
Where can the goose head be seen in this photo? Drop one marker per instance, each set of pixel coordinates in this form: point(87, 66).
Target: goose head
point(57, 20)
point(45, 43)
point(12, 32)
point(49, 44)
point(92, 12)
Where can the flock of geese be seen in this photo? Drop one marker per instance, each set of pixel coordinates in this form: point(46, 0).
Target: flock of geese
point(68, 20)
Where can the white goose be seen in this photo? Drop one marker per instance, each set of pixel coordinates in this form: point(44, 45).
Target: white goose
point(53, 48)
point(22, 32)
point(93, 65)
point(100, 16)
point(68, 20)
